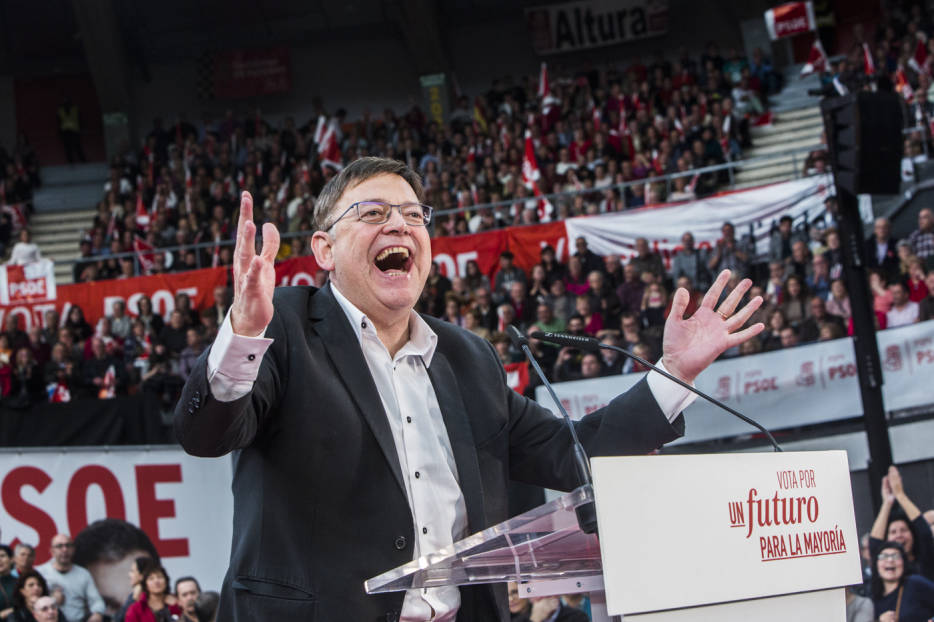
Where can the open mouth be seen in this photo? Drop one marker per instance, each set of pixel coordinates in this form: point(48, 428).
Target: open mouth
point(394, 260)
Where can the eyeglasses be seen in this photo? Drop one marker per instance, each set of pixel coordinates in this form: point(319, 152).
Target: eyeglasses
point(890, 557)
point(64, 545)
point(379, 212)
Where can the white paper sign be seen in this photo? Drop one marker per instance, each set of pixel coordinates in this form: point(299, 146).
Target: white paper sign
point(683, 531)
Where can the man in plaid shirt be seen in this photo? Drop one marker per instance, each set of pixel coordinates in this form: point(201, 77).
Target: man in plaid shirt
point(922, 239)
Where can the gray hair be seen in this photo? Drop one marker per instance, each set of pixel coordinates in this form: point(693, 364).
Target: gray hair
point(356, 173)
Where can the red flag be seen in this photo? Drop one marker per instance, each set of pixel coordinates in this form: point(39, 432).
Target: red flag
point(109, 385)
point(59, 393)
point(142, 214)
point(144, 253)
point(517, 376)
point(530, 177)
point(902, 86)
point(918, 60)
point(817, 60)
point(543, 87)
point(329, 152)
point(869, 66)
point(17, 216)
point(112, 225)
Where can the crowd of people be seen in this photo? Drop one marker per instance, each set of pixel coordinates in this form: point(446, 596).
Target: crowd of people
point(623, 303)
point(593, 129)
point(19, 178)
point(110, 572)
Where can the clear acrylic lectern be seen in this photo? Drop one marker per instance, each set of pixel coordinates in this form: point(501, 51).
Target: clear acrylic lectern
point(543, 549)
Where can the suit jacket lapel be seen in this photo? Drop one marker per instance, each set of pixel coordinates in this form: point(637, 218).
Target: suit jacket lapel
point(461, 437)
point(331, 325)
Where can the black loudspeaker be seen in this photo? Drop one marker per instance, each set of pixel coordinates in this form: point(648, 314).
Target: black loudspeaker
point(864, 134)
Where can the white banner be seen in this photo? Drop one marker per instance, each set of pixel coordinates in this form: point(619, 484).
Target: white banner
point(663, 227)
point(572, 26)
point(183, 505)
point(799, 386)
point(33, 282)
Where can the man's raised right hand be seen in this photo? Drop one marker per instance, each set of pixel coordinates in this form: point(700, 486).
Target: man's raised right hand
point(254, 275)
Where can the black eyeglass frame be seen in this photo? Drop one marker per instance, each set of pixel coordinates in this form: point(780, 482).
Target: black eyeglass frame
point(426, 211)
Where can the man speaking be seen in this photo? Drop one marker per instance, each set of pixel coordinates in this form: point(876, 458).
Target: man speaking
point(366, 435)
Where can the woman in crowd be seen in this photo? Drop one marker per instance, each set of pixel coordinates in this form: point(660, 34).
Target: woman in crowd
point(138, 568)
point(654, 304)
point(593, 320)
point(30, 587)
point(794, 300)
point(838, 303)
point(27, 384)
point(771, 337)
point(909, 530)
point(474, 277)
point(898, 596)
point(576, 281)
point(452, 309)
point(152, 320)
point(538, 284)
point(152, 604)
point(76, 323)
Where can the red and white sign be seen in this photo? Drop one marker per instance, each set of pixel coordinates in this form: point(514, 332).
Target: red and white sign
point(97, 299)
point(790, 19)
point(182, 503)
point(789, 388)
point(33, 282)
point(297, 271)
point(775, 524)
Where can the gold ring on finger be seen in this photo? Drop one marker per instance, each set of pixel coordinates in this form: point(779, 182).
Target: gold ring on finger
point(723, 315)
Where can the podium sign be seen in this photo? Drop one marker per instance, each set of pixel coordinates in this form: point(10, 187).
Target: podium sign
point(689, 531)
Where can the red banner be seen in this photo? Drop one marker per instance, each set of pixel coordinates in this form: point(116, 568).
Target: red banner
point(97, 299)
point(248, 73)
point(517, 376)
point(790, 19)
point(453, 253)
point(297, 271)
point(34, 282)
point(526, 243)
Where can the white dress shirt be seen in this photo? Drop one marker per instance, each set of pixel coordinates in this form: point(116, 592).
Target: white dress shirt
point(439, 513)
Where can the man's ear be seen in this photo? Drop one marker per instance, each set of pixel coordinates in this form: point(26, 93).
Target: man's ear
point(321, 244)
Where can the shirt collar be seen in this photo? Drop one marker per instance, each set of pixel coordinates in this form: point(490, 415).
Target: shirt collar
point(422, 340)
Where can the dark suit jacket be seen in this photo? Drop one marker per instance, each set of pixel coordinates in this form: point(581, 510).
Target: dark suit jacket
point(319, 503)
point(890, 264)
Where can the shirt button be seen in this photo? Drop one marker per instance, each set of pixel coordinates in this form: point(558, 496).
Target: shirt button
point(251, 357)
point(363, 324)
point(408, 420)
point(417, 474)
point(424, 529)
point(400, 543)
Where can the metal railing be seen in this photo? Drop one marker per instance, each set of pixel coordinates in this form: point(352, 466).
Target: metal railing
point(797, 156)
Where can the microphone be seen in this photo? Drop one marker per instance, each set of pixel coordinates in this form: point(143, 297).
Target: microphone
point(592, 344)
point(586, 513)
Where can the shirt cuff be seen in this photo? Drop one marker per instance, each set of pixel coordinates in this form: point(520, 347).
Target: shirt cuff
point(233, 362)
point(672, 398)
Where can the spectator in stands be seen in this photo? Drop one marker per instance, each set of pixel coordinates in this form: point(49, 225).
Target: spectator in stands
point(138, 567)
point(590, 261)
point(484, 306)
point(692, 263)
point(206, 606)
point(521, 304)
point(632, 366)
point(187, 591)
point(811, 327)
point(190, 316)
point(730, 253)
point(881, 294)
point(917, 289)
point(24, 556)
point(538, 283)
point(921, 239)
point(7, 581)
point(631, 290)
point(818, 281)
point(782, 238)
point(82, 600)
point(17, 336)
point(926, 306)
point(221, 303)
point(147, 315)
point(25, 251)
point(452, 310)
point(103, 373)
point(591, 365)
point(120, 323)
point(473, 323)
point(474, 278)
point(613, 270)
point(880, 248)
point(838, 303)
point(896, 594)
point(771, 337)
point(173, 335)
point(654, 306)
point(50, 328)
point(794, 301)
point(27, 382)
point(40, 349)
point(30, 587)
point(907, 528)
point(647, 261)
point(153, 598)
point(506, 275)
point(76, 323)
point(789, 337)
point(799, 263)
point(903, 311)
